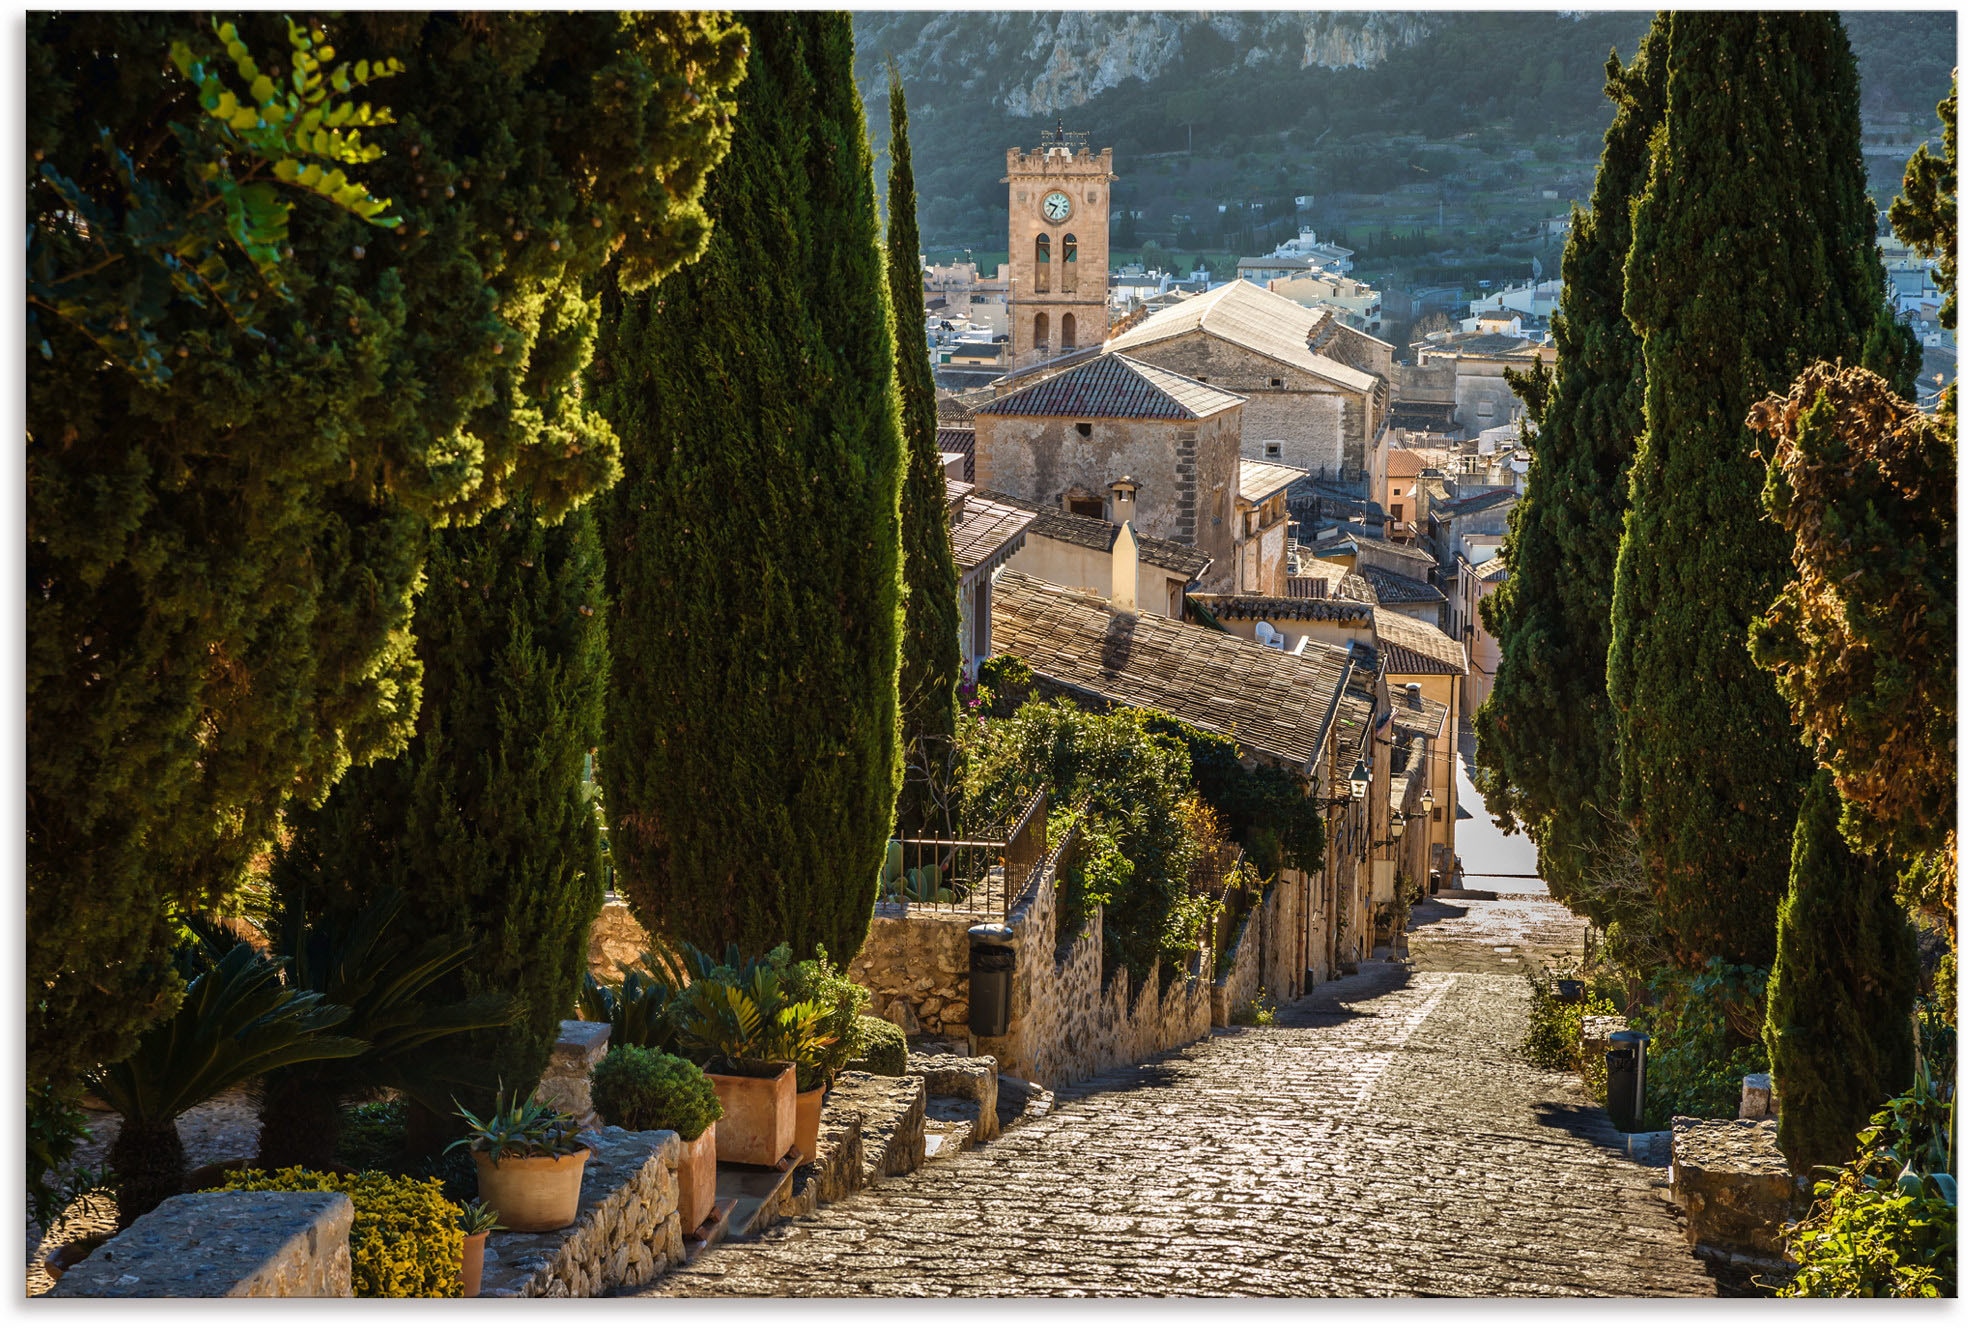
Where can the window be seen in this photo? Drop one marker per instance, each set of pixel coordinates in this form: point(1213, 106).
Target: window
point(1086, 507)
point(1042, 259)
point(1085, 427)
point(1068, 325)
point(1273, 450)
point(1041, 331)
point(1485, 408)
point(1277, 382)
point(1070, 280)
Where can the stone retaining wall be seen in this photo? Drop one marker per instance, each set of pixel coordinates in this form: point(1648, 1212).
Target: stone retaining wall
point(568, 1081)
point(627, 1231)
point(917, 970)
point(1239, 986)
point(1265, 954)
point(1065, 1023)
point(230, 1244)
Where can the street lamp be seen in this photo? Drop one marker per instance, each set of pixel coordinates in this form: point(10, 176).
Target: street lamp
point(1427, 801)
point(1355, 787)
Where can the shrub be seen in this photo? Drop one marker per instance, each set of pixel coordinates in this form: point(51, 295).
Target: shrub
point(1260, 1011)
point(818, 981)
point(1555, 1035)
point(879, 1047)
point(639, 1088)
point(406, 1239)
point(1702, 1040)
point(373, 1136)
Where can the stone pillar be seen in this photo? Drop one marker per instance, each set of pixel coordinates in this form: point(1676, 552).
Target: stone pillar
point(566, 1083)
point(1759, 1099)
point(225, 1244)
point(1733, 1183)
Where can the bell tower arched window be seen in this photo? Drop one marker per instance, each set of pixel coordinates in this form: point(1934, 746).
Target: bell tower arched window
point(1041, 331)
point(1042, 263)
point(1069, 257)
point(1068, 330)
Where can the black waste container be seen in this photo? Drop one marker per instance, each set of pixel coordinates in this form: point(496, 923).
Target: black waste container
point(1626, 1079)
point(991, 963)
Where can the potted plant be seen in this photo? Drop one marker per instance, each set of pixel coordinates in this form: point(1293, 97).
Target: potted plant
point(640, 1088)
point(821, 1047)
point(529, 1159)
point(476, 1220)
point(735, 1023)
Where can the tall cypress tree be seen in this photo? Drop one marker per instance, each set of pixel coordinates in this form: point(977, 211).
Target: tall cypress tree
point(751, 757)
point(1545, 751)
point(221, 564)
point(930, 649)
point(1752, 257)
point(1838, 1024)
point(486, 824)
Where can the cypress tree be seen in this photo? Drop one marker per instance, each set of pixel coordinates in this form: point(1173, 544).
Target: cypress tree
point(221, 561)
point(486, 822)
point(1752, 256)
point(930, 649)
point(1545, 751)
point(1838, 1024)
point(751, 755)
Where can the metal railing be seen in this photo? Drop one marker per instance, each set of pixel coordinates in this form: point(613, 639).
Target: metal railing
point(985, 875)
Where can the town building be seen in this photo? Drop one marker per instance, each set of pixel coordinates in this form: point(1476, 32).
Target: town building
point(1261, 525)
point(983, 537)
point(1079, 552)
point(1474, 582)
point(1475, 363)
point(1059, 203)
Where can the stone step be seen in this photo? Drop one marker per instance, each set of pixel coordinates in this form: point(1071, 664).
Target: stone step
point(755, 1194)
point(944, 1139)
point(712, 1233)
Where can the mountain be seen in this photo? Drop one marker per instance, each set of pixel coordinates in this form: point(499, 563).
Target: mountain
point(1263, 106)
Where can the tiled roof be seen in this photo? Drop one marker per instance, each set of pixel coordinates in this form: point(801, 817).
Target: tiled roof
point(1273, 703)
point(1425, 717)
point(1335, 581)
point(1407, 646)
point(986, 531)
point(1258, 320)
point(1405, 463)
point(1483, 343)
point(1090, 532)
point(1281, 607)
point(1258, 480)
point(1393, 588)
point(1114, 387)
point(1475, 502)
point(1492, 570)
point(958, 490)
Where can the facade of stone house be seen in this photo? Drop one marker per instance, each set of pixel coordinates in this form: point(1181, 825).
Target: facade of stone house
point(1484, 399)
point(1078, 552)
point(1316, 390)
point(1261, 525)
point(1121, 440)
point(984, 535)
point(1474, 582)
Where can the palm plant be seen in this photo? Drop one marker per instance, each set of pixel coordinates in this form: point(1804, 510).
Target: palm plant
point(236, 1022)
point(739, 1018)
point(388, 982)
point(638, 1010)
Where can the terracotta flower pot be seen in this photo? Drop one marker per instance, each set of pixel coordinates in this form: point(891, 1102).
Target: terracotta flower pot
point(532, 1193)
point(697, 1179)
point(474, 1269)
point(806, 1123)
point(759, 1115)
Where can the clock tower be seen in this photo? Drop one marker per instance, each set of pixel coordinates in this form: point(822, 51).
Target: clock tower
point(1059, 203)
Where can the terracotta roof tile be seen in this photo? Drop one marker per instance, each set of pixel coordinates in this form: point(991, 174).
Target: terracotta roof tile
point(985, 531)
point(1273, 703)
point(1407, 646)
point(1393, 588)
point(1285, 607)
point(1258, 320)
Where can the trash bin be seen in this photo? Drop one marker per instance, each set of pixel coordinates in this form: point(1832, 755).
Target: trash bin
point(991, 963)
point(1626, 1079)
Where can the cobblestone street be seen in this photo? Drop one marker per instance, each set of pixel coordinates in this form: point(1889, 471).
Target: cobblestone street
point(1382, 1138)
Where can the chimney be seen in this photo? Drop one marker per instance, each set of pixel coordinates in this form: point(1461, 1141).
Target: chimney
point(1123, 490)
point(1414, 695)
point(1127, 567)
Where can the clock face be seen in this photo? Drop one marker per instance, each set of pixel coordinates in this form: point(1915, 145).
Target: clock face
point(1056, 206)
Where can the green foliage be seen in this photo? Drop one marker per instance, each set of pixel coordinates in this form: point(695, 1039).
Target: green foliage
point(879, 1047)
point(406, 1240)
point(1703, 1038)
point(484, 825)
point(108, 264)
point(1861, 639)
point(1136, 852)
point(1260, 1011)
point(639, 1011)
point(751, 753)
point(931, 652)
point(1545, 752)
point(1265, 805)
point(1839, 1026)
point(236, 1022)
point(1555, 1030)
point(476, 1219)
point(639, 1088)
point(371, 1136)
point(1756, 192)
point(738, 1018)
point(386, 977)
point(55, 1125)
point(222, 569)
point(1925, 214)
point(841, 1000)
point(518, 1129)
point(1004, 683)
point(1885, 1223)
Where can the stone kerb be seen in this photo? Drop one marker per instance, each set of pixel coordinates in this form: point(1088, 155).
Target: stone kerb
point(228, 1244)
point(1733, 1183)
point(625, 1233)
point(570, 1069)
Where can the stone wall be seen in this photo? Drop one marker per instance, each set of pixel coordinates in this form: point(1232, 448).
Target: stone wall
point(1238, 987)
point(1066, 1024)
point(1266, 952)
point(570, 1069)
point(626, 1231)
point(615, 941)
point(230, 1244)
point(917, 970)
